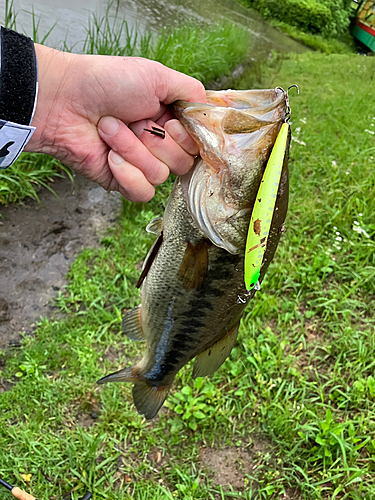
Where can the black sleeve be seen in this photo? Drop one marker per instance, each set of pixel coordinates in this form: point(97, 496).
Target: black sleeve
point(18, 77)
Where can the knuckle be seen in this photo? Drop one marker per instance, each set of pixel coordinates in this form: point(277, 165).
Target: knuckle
point(126, 148)
point(183, 165)
point(159, 174)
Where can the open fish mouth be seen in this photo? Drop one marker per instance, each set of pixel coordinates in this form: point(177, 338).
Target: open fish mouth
point(235, 131)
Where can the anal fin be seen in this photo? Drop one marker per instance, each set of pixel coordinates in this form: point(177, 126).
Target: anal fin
point(208, 361)
point(132, 324)
point(149, 399)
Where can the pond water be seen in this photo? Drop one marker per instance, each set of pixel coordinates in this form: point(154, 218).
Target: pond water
point(71, 17)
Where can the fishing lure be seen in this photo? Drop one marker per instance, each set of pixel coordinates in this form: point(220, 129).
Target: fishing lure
point(260, 223)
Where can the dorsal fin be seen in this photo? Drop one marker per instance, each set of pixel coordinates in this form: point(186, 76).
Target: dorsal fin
point(150, 259)
point(208, 361)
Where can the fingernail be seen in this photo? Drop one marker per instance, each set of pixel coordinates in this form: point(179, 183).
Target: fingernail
point(176, 130)
point(115, 158)
point(109, 125)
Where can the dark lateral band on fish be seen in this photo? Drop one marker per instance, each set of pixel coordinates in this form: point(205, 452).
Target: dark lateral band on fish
point(156, 131)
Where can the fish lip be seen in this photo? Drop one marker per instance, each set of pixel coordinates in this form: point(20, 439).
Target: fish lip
point(180, 106)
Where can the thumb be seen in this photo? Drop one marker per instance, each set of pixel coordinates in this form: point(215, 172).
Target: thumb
point(173, 85)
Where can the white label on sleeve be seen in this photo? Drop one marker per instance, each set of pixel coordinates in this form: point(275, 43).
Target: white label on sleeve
point(13, 138)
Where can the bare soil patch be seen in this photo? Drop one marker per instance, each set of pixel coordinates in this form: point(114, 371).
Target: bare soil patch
point(38, 243)
point(235, 468)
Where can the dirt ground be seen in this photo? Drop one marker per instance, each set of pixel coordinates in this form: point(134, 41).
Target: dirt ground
point(39, 241)
point(233, 468)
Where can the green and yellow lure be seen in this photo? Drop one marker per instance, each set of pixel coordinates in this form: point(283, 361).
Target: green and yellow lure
point(264, 208)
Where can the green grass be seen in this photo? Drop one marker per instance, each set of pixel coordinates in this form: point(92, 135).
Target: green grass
point(316, 42)
point(301, 376)
point(327, 44)
point(206, 53)
point(24, 178)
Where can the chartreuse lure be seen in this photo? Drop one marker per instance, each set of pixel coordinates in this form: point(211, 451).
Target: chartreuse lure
point(264, 207)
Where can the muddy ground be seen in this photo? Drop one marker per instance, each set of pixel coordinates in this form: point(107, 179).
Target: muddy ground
point(39, 241)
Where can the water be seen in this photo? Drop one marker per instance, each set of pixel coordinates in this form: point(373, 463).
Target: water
point(71, 18)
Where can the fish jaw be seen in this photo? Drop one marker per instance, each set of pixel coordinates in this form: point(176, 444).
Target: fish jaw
point(235, 132)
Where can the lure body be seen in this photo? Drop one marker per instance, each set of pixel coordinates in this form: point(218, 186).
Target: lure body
point(264, 207)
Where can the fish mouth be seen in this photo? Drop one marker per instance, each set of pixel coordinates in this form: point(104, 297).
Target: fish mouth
point(235, 132)
point(180, 107)
point(237, 99)
point(231, 112)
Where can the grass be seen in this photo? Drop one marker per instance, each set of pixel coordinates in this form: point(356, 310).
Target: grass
point(300, 378)
point(205, 53)
point(317, 42)
point(342, 44)
point(27, 175)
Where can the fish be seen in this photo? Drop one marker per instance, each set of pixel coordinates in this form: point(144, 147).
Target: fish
point(193, 294)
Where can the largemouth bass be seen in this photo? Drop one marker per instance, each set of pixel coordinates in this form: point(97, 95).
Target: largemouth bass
point(193, 294)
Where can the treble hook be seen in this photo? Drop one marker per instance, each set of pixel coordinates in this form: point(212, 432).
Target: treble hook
point(288, 110)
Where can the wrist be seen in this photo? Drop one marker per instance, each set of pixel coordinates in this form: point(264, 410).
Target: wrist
point(53, 72)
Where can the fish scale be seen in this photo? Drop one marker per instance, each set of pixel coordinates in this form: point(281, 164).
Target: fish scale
point(193, 293)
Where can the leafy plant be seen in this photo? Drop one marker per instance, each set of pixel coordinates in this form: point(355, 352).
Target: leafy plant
point(191, 407)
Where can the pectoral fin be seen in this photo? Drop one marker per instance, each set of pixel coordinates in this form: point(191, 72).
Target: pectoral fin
point(208, 361)
point(132, 324)
point(206, 207)
point(155, 226)
point(194, 265)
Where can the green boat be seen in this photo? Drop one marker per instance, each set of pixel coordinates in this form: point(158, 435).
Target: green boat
point(364, 27)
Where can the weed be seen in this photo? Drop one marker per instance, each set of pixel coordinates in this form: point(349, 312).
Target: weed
point(191, 407)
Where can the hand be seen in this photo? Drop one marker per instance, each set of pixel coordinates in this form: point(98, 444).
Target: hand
point(92, 111)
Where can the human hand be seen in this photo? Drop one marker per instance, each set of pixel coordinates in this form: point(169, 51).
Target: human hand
point(92, 112)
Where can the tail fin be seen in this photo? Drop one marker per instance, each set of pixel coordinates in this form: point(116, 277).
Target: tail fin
point(124, 375)
point(148, 399)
